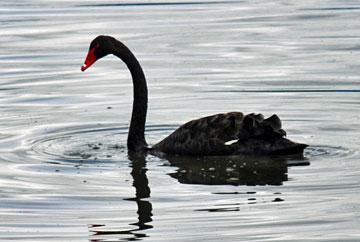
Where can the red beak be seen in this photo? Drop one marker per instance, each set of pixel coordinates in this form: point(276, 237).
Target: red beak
point(90, 59)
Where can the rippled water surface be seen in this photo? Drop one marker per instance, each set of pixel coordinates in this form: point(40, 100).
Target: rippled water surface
point(65, 171)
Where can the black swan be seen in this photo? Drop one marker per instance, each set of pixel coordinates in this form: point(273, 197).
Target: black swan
point(221, 134)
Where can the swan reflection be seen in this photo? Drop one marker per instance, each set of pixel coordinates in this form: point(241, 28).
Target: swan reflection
point(233, 170)
point(230, 170)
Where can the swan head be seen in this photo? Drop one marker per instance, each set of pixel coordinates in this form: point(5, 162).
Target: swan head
point(99, 47)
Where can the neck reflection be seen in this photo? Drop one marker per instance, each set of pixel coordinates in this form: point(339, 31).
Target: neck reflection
point(144, 207)
point(142, 190)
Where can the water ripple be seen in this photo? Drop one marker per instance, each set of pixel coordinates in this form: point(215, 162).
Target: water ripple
point(65, 172)
point(76, 143)
point(323, 151)
point(145, 4)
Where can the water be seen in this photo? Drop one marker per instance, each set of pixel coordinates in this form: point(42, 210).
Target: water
point(66, 174)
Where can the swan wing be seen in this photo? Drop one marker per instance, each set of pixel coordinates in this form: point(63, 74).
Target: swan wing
point(221, 134)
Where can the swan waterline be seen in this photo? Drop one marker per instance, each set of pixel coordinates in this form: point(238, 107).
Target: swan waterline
point(221, 134)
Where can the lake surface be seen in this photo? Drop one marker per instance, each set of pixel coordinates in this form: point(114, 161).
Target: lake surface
point(65, 171)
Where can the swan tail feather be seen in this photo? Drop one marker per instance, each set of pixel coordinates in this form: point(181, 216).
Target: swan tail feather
point(257, 127)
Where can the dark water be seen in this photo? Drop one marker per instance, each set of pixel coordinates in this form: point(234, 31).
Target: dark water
point(65, 171)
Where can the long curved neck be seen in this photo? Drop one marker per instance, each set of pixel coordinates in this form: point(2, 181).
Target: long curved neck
point(136, 137)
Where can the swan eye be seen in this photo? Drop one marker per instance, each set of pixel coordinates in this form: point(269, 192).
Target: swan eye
point(98, 52)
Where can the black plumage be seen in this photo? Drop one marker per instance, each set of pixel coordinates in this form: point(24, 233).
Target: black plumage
point(222, 134)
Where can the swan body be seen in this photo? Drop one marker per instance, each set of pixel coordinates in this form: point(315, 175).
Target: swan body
point(230, 133)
